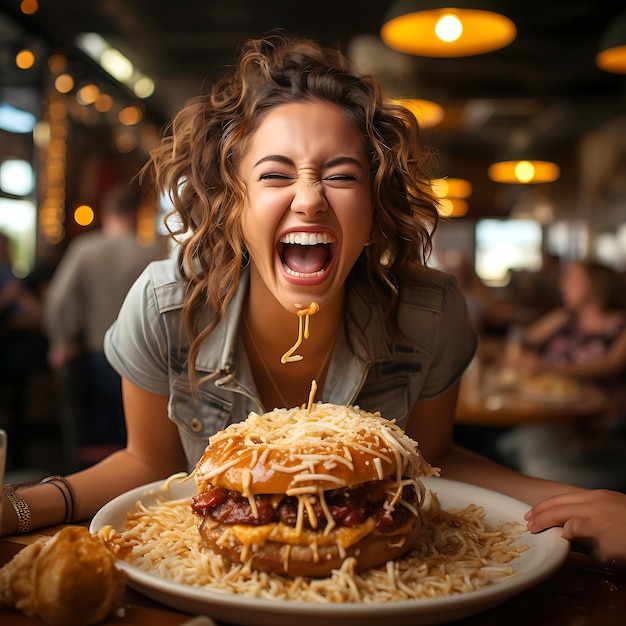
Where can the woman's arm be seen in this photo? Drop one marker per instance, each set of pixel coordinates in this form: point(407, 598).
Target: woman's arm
point(469, 467)
point(431, 424)
point(537, 333)
point(153, 452)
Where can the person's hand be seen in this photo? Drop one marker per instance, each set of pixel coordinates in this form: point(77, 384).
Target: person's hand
point(595, 517)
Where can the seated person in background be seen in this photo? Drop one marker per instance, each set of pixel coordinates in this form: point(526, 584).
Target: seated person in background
point(20, 310)
point(584, 340)
point(22, 345)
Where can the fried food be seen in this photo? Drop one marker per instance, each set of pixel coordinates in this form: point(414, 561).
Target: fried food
point(69, 579)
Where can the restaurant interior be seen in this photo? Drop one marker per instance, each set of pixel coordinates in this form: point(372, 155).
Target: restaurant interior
point(523, 106)
point(529, 134)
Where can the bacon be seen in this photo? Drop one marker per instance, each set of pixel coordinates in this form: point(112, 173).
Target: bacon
point(348, 507)
point(229, 507)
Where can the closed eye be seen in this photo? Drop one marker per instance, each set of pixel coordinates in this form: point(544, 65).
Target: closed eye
point(340, 181)
point(340, 177)
point(275, 178)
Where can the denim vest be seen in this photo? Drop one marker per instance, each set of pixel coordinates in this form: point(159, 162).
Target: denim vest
point(147, 346)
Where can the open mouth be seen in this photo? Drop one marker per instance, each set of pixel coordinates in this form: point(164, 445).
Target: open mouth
point(306, 255)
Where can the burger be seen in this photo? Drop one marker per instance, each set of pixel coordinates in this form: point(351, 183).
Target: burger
point(299, 491)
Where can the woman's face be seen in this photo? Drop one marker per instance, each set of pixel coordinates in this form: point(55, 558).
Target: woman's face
point(308, 208)
point(576, 289)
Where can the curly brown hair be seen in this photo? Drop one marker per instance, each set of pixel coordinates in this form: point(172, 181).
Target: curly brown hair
point(196, 167)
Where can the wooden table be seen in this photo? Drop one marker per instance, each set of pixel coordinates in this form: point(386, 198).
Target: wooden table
point(581, 593)
point(503, 407)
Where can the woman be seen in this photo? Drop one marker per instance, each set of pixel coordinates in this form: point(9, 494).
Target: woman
point(295, 181)
point(584, 340)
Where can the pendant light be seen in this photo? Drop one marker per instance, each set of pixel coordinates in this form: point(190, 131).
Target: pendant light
point(437, 29)
point(524, 171)
point(521, 163)
point(611, 56)
point(427, 112)
point(452, 194)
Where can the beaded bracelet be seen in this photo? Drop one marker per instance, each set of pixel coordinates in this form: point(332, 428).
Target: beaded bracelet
point(21, 508)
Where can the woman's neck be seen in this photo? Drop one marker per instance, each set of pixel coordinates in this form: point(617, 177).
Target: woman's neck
point(268, 331)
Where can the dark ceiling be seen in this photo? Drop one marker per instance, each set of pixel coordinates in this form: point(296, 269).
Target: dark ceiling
point(544, 87)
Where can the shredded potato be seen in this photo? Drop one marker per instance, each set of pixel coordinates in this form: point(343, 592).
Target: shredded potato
point(456, 553)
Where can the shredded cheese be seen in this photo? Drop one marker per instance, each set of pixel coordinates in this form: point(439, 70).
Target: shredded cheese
point(311, 445)
point(458, 552)
point(312, 393)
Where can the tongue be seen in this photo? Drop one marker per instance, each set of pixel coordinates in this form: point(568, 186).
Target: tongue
point(305, 259)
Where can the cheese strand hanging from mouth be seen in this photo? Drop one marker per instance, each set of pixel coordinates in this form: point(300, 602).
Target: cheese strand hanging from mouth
point(311, 396)
point(303, 332)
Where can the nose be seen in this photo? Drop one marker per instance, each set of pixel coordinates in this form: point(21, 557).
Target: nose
point(309, 199)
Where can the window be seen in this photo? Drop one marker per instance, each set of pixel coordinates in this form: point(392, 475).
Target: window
point(505, 245)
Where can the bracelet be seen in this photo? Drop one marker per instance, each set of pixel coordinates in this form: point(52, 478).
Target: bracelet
point(71, 502)
point(66, 517)
point(20, 507)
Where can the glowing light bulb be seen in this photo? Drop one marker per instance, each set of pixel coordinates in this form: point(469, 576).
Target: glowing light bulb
point(449, 28)
point(83, 215)
point(524, 171)
point(25, 59)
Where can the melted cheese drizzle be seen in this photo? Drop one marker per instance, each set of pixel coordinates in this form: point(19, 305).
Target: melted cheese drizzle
point(303, 332)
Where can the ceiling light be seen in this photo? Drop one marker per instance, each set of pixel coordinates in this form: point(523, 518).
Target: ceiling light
point(15, 120)
point(452, 194)
point(427, 112)
point(453, 207)
point(612, 49)
point(112, 61)
point(64, 83)
point(524, 171)
point(436, 29)
point(25, 59)
point(451, 188)
point(16, 177)
point(29, 7)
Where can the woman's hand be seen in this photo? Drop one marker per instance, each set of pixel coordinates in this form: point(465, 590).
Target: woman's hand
point(596, 517)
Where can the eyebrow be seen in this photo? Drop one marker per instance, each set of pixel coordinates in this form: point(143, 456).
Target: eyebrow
point(283, 159)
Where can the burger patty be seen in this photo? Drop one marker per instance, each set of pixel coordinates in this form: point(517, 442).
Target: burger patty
point(348, 507)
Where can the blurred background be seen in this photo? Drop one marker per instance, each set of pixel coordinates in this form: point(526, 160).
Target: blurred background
point(86, 88)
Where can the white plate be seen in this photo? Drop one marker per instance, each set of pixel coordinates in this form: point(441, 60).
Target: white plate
point(547, 553)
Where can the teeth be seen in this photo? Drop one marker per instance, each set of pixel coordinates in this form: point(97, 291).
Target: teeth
point(300, 274)
point(307, 239)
